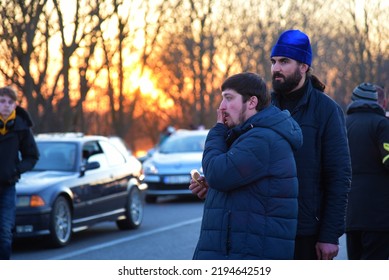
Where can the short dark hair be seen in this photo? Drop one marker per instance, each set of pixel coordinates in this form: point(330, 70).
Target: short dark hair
point(249, 84)
point(8, 91)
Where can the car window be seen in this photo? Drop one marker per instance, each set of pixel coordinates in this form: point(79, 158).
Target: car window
point(114, 157)
point(90, 148)
point(101, 159)
point(120, 144)
point(59, 156)
point(183, 144)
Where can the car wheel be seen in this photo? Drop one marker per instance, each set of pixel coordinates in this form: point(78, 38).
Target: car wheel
point(134, 211)
point(151, 198)
point(60, 223)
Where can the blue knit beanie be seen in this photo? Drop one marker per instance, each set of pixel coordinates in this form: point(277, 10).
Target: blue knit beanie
point(294, 44)
point(365, 91)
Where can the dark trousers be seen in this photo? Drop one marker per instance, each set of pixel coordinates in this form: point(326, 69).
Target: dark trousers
point(7, 220)
point(304, 247)
point(368, 245)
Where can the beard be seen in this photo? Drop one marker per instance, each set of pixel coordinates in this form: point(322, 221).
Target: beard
point(241, 118)
point(289, 83)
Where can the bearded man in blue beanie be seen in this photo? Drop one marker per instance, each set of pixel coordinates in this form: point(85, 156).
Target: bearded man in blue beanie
point(323, 162)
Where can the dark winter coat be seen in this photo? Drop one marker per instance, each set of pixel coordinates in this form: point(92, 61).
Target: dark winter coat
point(323, 166)
point(19, 138)
point(251, 207)
point(368, 134)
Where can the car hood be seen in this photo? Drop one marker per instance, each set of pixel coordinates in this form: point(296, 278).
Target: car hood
point(168, 159)
point(176, 162)
point(34, 181)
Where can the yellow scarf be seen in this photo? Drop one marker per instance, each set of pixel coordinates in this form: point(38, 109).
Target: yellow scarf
point(3, 129)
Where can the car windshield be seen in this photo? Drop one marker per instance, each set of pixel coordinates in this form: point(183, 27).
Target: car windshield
point(183, 144)
point(56, 156)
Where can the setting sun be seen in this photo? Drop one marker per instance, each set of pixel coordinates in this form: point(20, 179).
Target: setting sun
point(147, 86)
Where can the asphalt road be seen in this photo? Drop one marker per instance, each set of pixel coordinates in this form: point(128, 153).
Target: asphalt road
point(169, 232)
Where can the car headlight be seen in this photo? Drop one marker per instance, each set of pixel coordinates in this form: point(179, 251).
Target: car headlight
point(30, 201)
point(150, 169)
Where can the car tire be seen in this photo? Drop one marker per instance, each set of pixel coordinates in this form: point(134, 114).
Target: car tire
point(134, 211)
point(60, 223)
point(151, 198)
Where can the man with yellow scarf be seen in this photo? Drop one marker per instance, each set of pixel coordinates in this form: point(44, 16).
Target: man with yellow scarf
point(15, 136)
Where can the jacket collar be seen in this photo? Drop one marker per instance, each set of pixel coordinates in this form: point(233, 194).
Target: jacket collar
point(365, 106)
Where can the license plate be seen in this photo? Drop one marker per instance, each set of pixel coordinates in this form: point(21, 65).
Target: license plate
point(179, 179)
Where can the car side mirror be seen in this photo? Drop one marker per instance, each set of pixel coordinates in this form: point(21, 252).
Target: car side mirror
point(92, 165)
point(89, 166)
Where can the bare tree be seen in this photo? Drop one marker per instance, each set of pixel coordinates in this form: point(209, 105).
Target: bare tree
point(57, 57)
point(76, 30)
point(24, 52)
point(186, 61)
point(32, 63)
point(352, 47)
point(131, 18)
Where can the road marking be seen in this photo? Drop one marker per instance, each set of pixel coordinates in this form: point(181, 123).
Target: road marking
point(125, 239)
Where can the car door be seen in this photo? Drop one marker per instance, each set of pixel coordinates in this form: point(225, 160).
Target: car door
point(92, 183)
point(115, 193)
point(103, 192)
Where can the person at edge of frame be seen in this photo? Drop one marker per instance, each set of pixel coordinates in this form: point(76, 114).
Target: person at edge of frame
point(15, 138)
point(367, 219)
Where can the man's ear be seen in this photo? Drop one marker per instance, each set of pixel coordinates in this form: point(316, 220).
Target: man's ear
point(253, 102)
point(304, 68)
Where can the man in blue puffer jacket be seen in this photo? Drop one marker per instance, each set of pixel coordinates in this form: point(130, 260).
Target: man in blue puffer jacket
point(251, 206)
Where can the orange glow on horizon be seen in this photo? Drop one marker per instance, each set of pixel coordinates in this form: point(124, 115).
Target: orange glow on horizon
point(149, 90)
point(146, 83)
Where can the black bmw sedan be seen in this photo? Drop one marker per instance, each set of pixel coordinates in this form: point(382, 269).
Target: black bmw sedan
point(77, 182)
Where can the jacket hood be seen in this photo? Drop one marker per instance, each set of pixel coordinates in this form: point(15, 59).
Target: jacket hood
point(277, 120)
point(365, 106)
point(22, 118)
